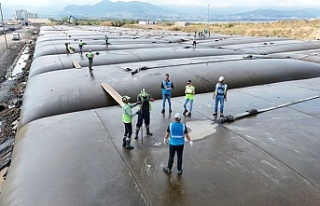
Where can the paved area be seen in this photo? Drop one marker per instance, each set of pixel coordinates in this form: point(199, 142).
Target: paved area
point(268, 159)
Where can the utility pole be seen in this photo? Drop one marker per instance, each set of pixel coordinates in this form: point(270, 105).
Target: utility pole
point(208, 16)
point(4, 30)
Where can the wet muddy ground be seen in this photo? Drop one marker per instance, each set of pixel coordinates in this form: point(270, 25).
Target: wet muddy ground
point(11, 93)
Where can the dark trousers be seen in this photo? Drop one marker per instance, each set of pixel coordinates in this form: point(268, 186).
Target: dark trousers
point(90, 63)
point(127, 130)
point(143, 116)
point(172, 151)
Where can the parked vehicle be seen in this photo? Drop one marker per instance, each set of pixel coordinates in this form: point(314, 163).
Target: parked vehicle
point(15, 36)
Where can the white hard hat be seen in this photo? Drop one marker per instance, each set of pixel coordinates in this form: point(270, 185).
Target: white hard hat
point(221, 79)
point(125, 98)
point(143, 92)
point(89, 50)
point(177, 116)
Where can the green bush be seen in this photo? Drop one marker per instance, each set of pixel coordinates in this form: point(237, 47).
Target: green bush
point(175, 28)
point(120, 23)
point(230, 25)
point(168, 23)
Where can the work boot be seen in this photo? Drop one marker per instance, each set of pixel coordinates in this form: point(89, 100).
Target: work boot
point(170, 110)
point(189, 115)
point(137, 132)
point(185, 112)
point(128, 145)
point(162, 111)
point(215, 113)
point(167, 170)
point(180, 172)
point(148, 131)
point(221, 115)
point(124, 143)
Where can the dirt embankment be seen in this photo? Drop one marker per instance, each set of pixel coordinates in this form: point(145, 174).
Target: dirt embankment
point(11, 93)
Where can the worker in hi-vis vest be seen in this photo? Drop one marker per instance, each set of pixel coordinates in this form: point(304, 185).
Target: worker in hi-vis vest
point(81, 44)
point(127, 119)
point(176, 132)
point(144, 100)
point(90, 56)
point(166, 87)
point(190, 91)
point(220, 96)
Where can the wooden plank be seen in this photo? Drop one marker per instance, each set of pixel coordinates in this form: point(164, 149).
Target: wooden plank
point(70, 50)
point(76, 64)
point(185, 39)
point(113, 93)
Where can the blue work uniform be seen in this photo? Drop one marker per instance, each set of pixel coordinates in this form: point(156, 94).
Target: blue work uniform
point(220, 91)
point(177, 132)
point(166, 87)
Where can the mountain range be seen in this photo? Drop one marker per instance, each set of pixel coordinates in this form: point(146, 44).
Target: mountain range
point(107, 7)
point(147, 11)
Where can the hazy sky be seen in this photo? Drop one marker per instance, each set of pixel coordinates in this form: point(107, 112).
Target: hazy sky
point(213, 3)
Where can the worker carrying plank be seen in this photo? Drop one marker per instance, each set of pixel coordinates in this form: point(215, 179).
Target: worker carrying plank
point(127, 113)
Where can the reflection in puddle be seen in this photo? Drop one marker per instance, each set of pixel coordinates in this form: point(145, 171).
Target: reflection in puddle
point(21, 63)
point(200, 129)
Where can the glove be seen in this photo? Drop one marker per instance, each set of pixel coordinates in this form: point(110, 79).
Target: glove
point(191, 143)
point(165, 141)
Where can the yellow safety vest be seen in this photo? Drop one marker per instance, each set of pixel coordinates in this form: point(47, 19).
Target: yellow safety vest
point(190, 90)
point(142, 102)
point(90, 55)
point(126, 118)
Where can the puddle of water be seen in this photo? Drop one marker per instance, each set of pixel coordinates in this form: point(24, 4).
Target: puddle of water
point(200, 129)
point(21, 63)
